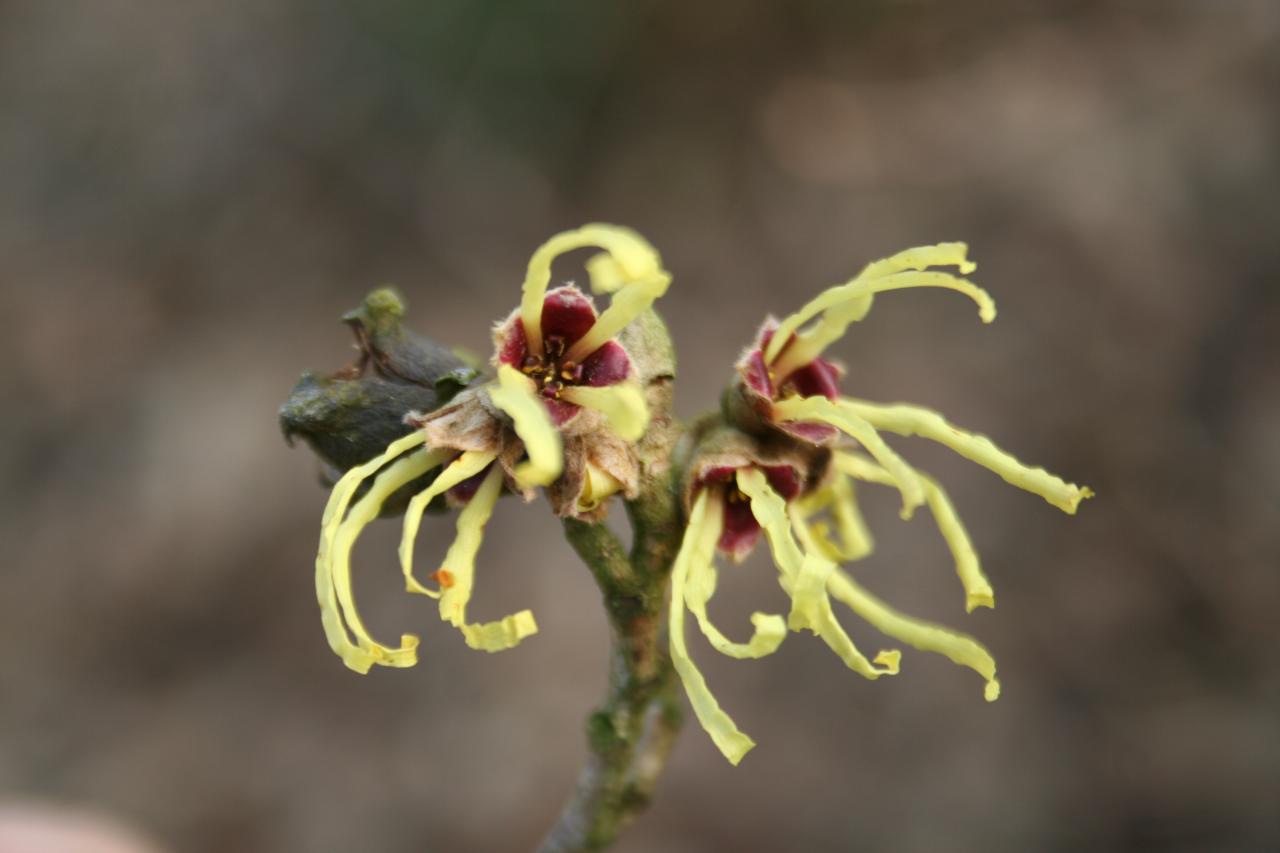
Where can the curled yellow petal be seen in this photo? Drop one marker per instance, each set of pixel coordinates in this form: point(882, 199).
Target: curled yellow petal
point(839, 415)
point(849, 302)
point(333, 562)
point(457, 576)
point(803, 576)
point(627, 257)
point(466, 465)
point(840, 499)
point(505, 633)
point(769, 629)
point(516, 395)
point(597, 486)
point(813, 342)
point(917, 633)
point(631, 255)
point(628, 302)
point(811, 610)
point(349, 483)
point(914, 420)
point(334, 512)
point(818, 535)
point(623, 405)
point(922, 257)
point(770, 511)
point(977, 589)
point(731, 741)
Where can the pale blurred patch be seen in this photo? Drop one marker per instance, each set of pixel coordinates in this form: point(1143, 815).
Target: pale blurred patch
point(34, 827)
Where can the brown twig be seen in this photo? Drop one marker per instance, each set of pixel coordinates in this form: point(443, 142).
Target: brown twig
point(630, 735)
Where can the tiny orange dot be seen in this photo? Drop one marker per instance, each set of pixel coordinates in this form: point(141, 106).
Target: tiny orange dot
point(444, 577)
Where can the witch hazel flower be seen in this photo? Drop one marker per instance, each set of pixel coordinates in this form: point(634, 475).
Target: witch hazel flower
point(563, 414)
point(785, 385)
point(786, 395)
point(741, 489)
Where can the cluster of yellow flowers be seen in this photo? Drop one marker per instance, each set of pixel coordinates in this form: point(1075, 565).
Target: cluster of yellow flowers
point(566, 411)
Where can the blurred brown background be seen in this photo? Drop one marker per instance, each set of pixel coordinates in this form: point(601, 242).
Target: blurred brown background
point(191, 194)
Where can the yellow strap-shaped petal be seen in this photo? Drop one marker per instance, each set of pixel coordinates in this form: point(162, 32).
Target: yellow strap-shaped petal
point(811, 610)
point(840, 499)
point(466, 465)
point(628, 303)
point(627, 257)
point(855, 535)
point(623, 405)
point(457, 576)
point(850, 302)
point(977, 589)
point(334, 512)
point(633, 258)
point(346, 487)
point(770, 511)
point(731, 741)
point(334, 561)
point(839, 415)
point(914, 420)
point(818, 534)
point(833, 321)
point(505, 633)
point(517, 395)
point(917, 633)
point(813, 342)
point(769, 629)
point(922, 257)
point(804, 578)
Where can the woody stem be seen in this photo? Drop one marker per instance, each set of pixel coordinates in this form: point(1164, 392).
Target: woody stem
point(630, 734)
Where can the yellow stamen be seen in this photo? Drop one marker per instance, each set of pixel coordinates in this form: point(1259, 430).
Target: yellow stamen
point(632, 256)
point(839, 415)
point(518, 397)
point(804, 579)
point(465, 466)
point(977, 589)
point(850, 302)
point(731, 741)
point(461, 559)
point(914, 420)
point(769, 629)
point(339, 530)
point(623, 405)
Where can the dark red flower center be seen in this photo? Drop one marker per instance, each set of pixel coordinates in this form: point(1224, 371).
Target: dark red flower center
point(741, 530)
point(817, 378)
point(567, 315)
